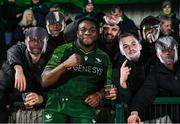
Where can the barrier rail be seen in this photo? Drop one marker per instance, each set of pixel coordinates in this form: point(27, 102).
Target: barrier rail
point(163, 110)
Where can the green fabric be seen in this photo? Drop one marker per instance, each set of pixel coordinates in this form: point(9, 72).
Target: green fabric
point(69, 106)
point(78, 82)
point(59, 107)
point(79, 3)
point(169, 15)
point(88, 76)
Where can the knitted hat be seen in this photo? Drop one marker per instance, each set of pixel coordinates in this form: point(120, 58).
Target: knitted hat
point(165, 3)
point(88, 2)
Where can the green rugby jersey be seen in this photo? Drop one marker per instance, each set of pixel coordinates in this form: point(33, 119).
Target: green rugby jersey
point(89, 77)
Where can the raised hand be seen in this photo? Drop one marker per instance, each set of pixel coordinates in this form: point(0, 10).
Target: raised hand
point(125, 71)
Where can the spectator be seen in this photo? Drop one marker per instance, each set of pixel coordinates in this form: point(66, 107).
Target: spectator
point(167, 10)
point(130, 68)
point(162, 81)
point(10, 16)
point(22, 70)
point(27, 21)
point(149, 29)
point(40, 10)
point(126, 25)
point(109, 37)
point(89, 11)
point(56, 8)
point(79, 70)
point(166, 28)
point(55, 25)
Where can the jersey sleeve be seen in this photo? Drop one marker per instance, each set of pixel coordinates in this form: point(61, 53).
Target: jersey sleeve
point(57, 56)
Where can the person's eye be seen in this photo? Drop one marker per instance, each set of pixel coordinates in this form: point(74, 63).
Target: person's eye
point(134, 44)
point(82, 30)
point(125, 47)
point(114, 29)
point(105, 28)
point(92, 30)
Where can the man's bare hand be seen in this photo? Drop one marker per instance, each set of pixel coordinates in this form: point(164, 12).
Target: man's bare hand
point(33, 99)
point(72, 61)
point(20, 79)
point(125, 71)
point(134, 118)
point(93, 100)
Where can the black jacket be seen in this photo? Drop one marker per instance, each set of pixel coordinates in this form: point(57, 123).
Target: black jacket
point(160, 82)
point(112, 50)
point(128, 26)
point(18, 55)
point(138, 72)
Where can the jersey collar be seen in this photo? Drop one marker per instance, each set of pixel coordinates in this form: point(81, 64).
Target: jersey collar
point(77, 48)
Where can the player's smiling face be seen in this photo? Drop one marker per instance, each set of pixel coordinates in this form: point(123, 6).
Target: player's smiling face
point(87, 33)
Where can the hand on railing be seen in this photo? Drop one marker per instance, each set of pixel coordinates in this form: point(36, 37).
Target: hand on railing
point(134, 118)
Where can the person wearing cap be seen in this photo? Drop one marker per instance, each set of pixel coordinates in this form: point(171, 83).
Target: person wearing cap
point(89, 11)
point(55, 25)
point(78, 71)
point(21, 73)
point(167, 10)
point(40, 11)
point(163, 81)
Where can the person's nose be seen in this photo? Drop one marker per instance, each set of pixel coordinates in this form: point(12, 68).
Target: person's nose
point(109, 31)
point(87, 32)
point(131, 48)
point(55, 26)
point(168, 51)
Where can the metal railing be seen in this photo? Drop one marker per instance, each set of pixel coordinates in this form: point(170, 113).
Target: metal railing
point(19, 114)
point(163, 110)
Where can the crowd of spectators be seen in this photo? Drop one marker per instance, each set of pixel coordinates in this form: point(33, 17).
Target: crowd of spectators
point(60, 66)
